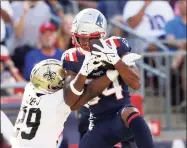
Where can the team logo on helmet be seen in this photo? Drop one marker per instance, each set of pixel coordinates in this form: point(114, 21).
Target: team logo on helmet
point(49, 75)
point(100, 21)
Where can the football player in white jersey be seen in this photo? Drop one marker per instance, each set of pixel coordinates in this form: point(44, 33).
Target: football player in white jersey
point(43, 110)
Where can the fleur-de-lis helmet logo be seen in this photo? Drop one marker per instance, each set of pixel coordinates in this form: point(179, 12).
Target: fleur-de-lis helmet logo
point(49, 75)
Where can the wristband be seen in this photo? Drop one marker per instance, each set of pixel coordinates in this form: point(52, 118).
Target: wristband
point(112, 74)
point(78, 93)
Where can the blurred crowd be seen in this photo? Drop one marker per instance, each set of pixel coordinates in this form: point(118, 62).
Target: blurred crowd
point(32, 31)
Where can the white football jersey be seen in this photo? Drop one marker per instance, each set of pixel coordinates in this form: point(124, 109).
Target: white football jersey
point(40, 120)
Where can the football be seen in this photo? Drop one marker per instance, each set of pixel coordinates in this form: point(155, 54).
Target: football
point(97, 41)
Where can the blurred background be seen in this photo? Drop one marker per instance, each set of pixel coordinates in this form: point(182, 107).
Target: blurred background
point(32, 31)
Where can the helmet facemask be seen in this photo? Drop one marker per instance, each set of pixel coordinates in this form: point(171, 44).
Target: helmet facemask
point(83, 41)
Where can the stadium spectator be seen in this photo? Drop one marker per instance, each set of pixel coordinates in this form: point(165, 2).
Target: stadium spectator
point(146, 20)
point(46, 49)
point(28, 17)
point(64, 40)
point(172, 33)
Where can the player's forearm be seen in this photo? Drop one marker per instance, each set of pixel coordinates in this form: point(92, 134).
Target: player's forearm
point(73, 84)
point(92, 91)
point(130, 75)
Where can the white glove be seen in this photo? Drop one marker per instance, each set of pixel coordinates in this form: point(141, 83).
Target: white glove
point(130, 58)
point(91, 62)
point(107, 53)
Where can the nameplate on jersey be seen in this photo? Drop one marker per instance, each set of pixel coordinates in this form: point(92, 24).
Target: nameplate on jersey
point(33, 101)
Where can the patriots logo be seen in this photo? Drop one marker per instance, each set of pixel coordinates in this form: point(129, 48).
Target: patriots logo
point(100, 21)
point(49, 75)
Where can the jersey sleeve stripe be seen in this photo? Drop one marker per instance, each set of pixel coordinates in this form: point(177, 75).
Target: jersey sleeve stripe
point(116, 42)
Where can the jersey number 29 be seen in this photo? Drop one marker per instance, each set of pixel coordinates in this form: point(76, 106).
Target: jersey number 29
point(33, 112)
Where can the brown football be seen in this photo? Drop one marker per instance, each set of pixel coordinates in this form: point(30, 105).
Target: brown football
point(97, 41)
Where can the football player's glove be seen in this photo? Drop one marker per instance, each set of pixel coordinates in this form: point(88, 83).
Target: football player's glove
point(130, 58)
point(91, 62)
point(107, 53)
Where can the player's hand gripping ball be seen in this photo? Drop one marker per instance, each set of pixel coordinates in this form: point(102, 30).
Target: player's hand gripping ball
point(105, 64)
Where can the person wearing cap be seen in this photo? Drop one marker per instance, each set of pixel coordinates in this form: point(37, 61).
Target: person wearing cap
point(45, 51)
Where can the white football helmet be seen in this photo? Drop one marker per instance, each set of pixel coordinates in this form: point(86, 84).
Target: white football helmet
point(47, 76)
point(88, 23)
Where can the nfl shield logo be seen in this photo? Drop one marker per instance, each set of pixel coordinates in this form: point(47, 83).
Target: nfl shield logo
point(99, 21)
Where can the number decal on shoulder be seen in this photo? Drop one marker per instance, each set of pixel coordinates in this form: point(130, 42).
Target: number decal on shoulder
point(116, 89)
